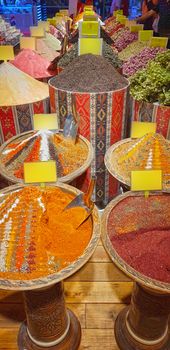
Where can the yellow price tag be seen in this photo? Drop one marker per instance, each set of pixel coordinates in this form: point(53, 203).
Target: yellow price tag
point(146, 180)
point(90, 28)
point(159, 42)
point(45, 121)
point(88, 7)
point(139, 129)
point(119, 17)
point(27, 43)
point(90, 45)
point(58, 14)
point(44, 24)
point(122, 20)
point(136, 27)
point(6, 52)
point(145, 35)
point(40, 172)
point(37, 32)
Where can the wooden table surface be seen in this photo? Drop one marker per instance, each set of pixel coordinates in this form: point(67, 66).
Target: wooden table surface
point(96, 294)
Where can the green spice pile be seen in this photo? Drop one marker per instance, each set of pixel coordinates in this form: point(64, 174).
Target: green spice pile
point(108, 53)
point(153, 83)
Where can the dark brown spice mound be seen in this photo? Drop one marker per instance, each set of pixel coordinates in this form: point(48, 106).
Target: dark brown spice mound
point(89, 73)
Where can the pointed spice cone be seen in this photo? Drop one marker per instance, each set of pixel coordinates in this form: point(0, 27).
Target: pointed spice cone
point(18, 88)
point(33, 64)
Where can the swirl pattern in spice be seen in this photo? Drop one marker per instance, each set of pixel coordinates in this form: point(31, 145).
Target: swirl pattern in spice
point(139, 230)
point(37, 237)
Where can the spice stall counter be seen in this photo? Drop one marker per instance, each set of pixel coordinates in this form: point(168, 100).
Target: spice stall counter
point(138, 243)
point(32, 260)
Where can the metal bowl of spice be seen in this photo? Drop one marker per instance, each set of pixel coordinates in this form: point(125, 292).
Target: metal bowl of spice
point(150, 152)
point(40, 242)
point(72, 159)
point(136, 234)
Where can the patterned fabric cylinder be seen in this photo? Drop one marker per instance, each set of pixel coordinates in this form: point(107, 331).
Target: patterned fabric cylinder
point(17, 119)
point(151, 112)
point(102, 122)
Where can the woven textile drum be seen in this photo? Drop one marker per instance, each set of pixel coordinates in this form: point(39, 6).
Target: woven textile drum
point(151, 112)
point(21, 97)
point(102, 122)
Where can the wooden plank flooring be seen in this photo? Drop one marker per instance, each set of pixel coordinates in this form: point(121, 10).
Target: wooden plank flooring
point(96, 294)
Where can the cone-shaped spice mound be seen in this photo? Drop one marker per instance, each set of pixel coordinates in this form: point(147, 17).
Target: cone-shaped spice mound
point(33, 64)
point(18, 88)
point(37, 237)
point(151, 152)
point(89, 73)
point(44, 146)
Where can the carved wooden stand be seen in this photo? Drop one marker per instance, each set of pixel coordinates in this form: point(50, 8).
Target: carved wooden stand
point(144, 325)
point(49, 326)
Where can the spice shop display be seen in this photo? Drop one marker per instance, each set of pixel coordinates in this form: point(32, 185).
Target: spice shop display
point(100, 93)
point(20, 97)
point(34, 229)
point(150, 152)
point(138, 243)
point(54, 31)
point(33, 64)
point(72, 158)
point(139, 61)
point(9, 35)
point(107, 52)
point(150, 94)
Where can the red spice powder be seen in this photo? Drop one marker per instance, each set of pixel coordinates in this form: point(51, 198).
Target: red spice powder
point(139, 229)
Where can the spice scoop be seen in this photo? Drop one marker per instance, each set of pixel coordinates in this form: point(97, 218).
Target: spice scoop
point(83, 200)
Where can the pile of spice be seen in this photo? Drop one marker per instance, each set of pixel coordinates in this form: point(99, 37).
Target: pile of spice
point(89, 73)
point(44, 50)
point(18, 88)
point(152, 84)
point(140, 61)
point(43, 146)
point(107, 52)
point(133, 49)
point(141, 236)
point(33, 64)
point(150, 152)
point(125, 39)
point(38, 238)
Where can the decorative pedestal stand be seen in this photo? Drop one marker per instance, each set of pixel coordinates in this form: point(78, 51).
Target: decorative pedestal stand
point(144, 324)
point(49, 324)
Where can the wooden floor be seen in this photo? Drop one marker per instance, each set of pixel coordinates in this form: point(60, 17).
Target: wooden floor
point(96, 294)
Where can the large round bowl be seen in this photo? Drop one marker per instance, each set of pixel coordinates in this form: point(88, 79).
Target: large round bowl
point(49, 323)
point(112, 157)
point(8, 172)
point(69, 270)
point(144, 324)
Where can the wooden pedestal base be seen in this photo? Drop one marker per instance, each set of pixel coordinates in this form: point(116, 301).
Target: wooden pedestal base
point(49, 325)
point(144, 324)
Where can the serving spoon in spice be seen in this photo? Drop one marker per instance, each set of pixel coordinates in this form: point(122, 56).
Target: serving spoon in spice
point(83, 200)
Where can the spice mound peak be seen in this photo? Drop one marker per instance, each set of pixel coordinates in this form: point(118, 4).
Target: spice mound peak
point(44, 145)
point(89, 73)
point(150, 152)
